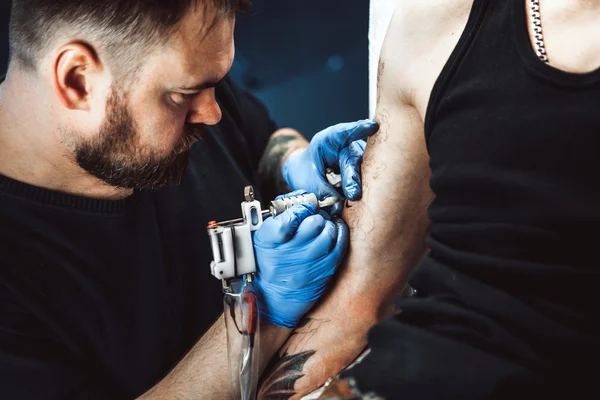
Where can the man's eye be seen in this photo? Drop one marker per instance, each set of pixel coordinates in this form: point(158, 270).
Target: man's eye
point(180, 98)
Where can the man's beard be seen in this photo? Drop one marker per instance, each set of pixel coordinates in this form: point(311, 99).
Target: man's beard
point(118, 157)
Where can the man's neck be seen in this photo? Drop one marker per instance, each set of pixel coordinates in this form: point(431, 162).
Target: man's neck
point(30, 151)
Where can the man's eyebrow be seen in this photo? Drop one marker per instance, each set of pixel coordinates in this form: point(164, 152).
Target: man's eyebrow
point(202, 86)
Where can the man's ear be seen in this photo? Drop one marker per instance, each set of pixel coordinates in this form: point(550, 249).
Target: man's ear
point(75, 68)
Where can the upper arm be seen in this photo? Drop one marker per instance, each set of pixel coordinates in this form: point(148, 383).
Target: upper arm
point(389, 224)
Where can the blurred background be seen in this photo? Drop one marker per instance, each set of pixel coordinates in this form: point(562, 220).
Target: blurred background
point(307, 60)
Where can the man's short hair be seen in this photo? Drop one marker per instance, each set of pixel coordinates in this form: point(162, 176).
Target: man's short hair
point(120, 26)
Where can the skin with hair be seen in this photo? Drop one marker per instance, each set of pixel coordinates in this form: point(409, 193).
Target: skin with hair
point(109, 155)
point(73, 124)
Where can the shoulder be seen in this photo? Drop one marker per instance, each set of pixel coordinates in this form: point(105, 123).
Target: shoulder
point(418, 43)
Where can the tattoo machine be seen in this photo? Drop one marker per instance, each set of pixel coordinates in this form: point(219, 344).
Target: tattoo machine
point(234, 264)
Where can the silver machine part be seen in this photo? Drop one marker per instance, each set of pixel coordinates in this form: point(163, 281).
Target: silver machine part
point(231, 243)
point(279, 206)
point(242, 348)
point(334, 179)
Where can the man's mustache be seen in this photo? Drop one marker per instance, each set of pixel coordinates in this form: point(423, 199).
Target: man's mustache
point(192, 134)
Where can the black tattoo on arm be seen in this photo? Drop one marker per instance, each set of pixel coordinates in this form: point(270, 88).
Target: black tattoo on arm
point(288, 365)
point(269, 169)
point(289, 368)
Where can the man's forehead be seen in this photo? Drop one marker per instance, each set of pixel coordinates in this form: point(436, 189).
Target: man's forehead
point(214, 45)
point(189, 59)
point(209, 64)
point(203, 24)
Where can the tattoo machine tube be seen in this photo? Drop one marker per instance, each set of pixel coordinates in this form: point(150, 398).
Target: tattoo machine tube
point(241, 320)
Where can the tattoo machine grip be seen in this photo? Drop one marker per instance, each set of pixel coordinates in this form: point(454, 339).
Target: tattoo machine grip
point(279, 206)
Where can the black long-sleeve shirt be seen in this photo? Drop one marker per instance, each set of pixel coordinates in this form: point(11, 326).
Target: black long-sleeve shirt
point(100, 299)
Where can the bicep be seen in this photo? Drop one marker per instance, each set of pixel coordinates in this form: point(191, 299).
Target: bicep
point(388, 225)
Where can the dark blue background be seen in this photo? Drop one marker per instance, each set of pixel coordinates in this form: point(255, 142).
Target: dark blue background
point(306, 59)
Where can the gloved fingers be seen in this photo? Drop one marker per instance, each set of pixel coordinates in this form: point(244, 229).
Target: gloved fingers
point(326, 191)
point(337, 209)
point(325, 146)
point(323, 244)
point(341, 135)
point(341, 244)
point(362, 143)
point(281, 228)
point(308, 230)
point(289, 171)
point(324, 214)
point(295, 193)
point(350, 163)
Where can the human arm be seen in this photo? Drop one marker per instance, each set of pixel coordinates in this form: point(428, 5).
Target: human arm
point(44, 358)
point(388, 226)
point(297, 252)
point(204, 372)
point(35, 363)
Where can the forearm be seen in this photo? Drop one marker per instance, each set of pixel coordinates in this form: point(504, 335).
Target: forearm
point(204, 372)
point(282, 144)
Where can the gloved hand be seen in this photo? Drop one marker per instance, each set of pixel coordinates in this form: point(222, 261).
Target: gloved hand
point(340, 146)
point(297, 252)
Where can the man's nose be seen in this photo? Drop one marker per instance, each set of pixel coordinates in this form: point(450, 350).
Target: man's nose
point(204, 109)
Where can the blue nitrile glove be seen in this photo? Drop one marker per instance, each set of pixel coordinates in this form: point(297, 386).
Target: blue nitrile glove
point(297, 252)
point(341, 147)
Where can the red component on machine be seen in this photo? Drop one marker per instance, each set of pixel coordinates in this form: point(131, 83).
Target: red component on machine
point(249, 300)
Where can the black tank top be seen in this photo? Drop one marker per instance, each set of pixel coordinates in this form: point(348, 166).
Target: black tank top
point(513, 268)
point(515, 160)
